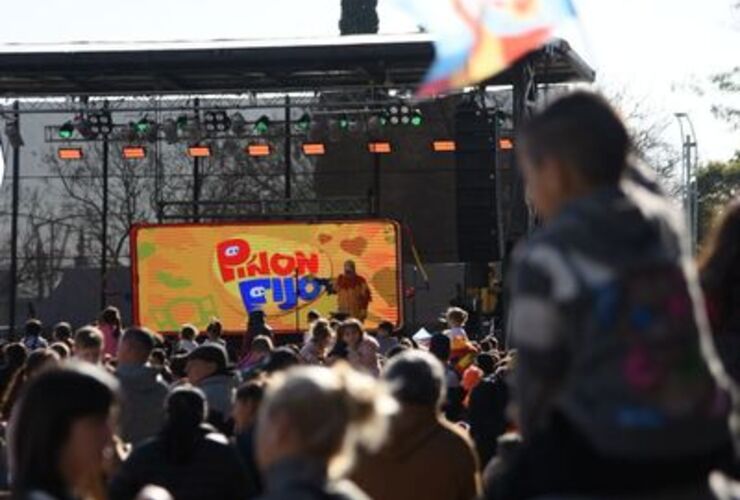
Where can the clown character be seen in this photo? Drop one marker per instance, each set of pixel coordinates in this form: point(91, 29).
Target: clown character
point(353, 293)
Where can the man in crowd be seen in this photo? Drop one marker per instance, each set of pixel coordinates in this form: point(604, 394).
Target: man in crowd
point(612, 392)
point(208, 369)
point(425, 456)
point(88, 345)
point(143, 390)
point(32, 338)
point(385, 338)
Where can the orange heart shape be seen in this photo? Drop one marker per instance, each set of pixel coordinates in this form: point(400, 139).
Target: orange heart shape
point(355, 246)
point(324, 238)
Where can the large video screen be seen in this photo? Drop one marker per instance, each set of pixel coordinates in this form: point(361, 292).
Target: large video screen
point(191, 273)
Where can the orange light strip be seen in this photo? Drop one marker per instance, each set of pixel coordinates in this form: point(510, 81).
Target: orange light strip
point(69, 153)
point(258, 150)
point(314, 149)
point(445, 146)
point(133, 152)
point(199, 151)
point(505, 143)
point(379, 147)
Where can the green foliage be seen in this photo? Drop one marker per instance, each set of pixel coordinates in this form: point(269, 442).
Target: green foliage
point(718, 183)
point(359, 17)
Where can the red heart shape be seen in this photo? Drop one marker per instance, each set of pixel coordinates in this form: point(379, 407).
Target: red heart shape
point(324, 238)
point(355, 246)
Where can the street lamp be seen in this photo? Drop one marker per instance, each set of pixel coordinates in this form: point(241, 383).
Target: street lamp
point(689, 177)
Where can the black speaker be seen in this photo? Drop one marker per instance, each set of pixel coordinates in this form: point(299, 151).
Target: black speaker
point(475, 184)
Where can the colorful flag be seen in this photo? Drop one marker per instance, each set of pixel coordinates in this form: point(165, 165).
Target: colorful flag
point(475, 39)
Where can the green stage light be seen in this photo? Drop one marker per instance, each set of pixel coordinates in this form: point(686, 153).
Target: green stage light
point(142, 126)
point(343, 122)
point(262, 125)
point(417, 119)
point(304, 122)
point(67, 130)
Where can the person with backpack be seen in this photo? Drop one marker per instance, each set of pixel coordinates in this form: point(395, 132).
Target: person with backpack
point(612, 391)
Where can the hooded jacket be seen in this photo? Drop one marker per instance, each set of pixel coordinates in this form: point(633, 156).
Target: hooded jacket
point(142, 408)
point(220, 390)
point(425, 457)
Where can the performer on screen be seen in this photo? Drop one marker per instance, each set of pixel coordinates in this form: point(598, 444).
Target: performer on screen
point(353, 292)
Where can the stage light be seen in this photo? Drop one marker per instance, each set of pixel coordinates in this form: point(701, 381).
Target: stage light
point(199, 151)
point(143, 126)
point(69, 153)
point(417, 119)
point(238, 124)
point(182, 122)
point(258, 150)
point(216, 121)
point(100, 123)
point(169, 129)
point(133, 152)
point(505, 143)
point(67, 130)
point(444, 146)
point(304, 122)
point(12, 130)
point(379, 147)
point(343, 122)
point(314, 149)
point(262, 125)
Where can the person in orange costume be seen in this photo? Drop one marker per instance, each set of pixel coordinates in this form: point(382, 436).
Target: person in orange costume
point(353, 292)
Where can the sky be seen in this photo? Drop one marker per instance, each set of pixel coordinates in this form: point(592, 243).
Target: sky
point(653, 50)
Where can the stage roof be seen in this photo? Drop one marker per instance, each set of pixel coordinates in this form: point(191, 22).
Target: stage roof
point(238, 66)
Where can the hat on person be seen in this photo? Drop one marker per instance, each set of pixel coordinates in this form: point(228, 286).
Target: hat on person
point(211, 353)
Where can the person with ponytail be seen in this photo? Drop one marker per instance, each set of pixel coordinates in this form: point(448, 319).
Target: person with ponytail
point(310, 426)
point(188, 458)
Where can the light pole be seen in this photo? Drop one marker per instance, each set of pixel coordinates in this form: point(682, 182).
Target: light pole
point(689, 177)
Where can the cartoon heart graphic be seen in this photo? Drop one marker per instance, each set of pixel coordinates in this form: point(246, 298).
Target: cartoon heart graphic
point(324, 238)
point(355, 246)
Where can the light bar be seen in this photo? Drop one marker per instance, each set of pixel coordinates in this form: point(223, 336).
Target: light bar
point(505, 143)
point(258, 150)
point(69, 153)
point(444, 146)
point(199, 151)
point(314, 149)
point(133, 152)
point(379, 147)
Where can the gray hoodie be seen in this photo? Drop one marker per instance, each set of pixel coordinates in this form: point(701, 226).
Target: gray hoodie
point(220, 390)
point(607, 321)
point(142, 407)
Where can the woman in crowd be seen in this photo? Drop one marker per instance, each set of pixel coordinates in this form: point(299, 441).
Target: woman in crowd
point(37, 362)
point(111, 326)
point(311, 423)
point(59, 433)
point(362, 349)
point(719, 268)
point(189, 458)
point(321, 334)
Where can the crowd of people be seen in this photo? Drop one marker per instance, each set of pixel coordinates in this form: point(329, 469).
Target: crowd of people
point(617, 374)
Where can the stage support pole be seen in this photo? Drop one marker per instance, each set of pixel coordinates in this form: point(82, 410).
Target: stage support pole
point(14, 229)
point(196, 170)
point(288, 154)
point(104, 245)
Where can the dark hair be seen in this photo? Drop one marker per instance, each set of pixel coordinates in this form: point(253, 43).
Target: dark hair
point(215, 328)
point(262, 343)
point(251, 391)
point(111, 316)
point(416, 377)
point(63, 331)
point(189, 332)
point(313, 315)
point(61, 348)
point(15, 355)
point(33, 328)
point(177, 365)
point(159, 355)
point(186, 411)
point(396, 350)
point(581, 131)
point(140, 337)
point(321, 330)
point(719, 263)
point(486, 362)
point(35, 363)
point(386, 326)
point(439, 345)
point(42, 421)
point(281, 359)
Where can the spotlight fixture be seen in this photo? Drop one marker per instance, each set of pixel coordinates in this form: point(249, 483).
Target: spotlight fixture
point(216, 121)
point(143, 126)
point(258, 150)
point(133, 152)
point(69, 153)
point(238, 124)
point(262, 125)
point(12, 130)
point(100, 123)
point(199, 151)
point(304, 122)
point(343, 122)
point(379, 147)
point(417, 119)
point(402, 114)
point(66, 131)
